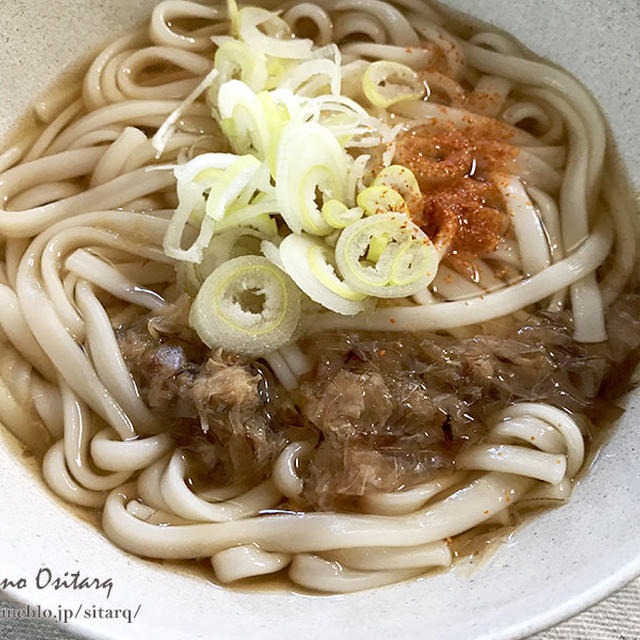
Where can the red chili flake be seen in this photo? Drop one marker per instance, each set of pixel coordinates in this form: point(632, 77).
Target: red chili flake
point(392, 320)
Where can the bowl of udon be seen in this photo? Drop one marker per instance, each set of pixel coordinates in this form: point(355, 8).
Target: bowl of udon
point(318, 317)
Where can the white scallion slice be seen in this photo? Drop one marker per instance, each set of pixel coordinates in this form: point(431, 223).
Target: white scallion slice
point(338, 215)
point(310, 161)
point(223, 247)
point(309, 263)
point(308, 77)
point(243, 120)
point(231, 184)
point(265, 224)
point(274, 39)
point(191, 204)
point(386, 83)
point(386, 256)
point(191, 201)
point(187, 173)
point(356, 177)
point(248, 306)
point(235, 58)
point(249, 214)
point(277, 117)
point(403, 181)
point(380, 199)
point(232, 11)
point(272, 253)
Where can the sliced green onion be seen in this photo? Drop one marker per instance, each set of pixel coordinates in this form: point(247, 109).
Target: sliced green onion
point(265, 224)
point(248, 306)
point(272, 254)
point(310, 77)
point(309, 263)
point(399, 259)
point(349, 122)
point(381, 199)
point(386, 83)
point(191, 201)
point(232, 10)
point(276, 68)
point(191, 204)
point(377, 245)
point(208, 177)
point(223, 247)
point(278, 117)
point(278, 43)
point(331, 239)
point(409, 260)
point(404, 182)
point(343, 126)
point(356, 177)
point(230, 185)
point(235, 58)
point(258, 189)
point(338, 215)
point(249, 214)
point(243, 120)
point(199, 166)
point(310, 160)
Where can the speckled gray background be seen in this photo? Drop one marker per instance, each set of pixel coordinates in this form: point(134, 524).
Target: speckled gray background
point(609, 66)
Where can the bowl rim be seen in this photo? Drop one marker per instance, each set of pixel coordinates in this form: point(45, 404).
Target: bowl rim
point(579, 601)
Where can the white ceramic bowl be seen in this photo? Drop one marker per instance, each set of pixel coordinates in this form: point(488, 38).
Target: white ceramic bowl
point(554, 567)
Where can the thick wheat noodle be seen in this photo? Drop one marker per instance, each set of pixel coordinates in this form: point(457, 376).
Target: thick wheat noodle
point(48, 135)
point(194, 66)
point(92, 84)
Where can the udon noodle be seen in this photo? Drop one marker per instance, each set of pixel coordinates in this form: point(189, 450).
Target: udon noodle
point(459, 197)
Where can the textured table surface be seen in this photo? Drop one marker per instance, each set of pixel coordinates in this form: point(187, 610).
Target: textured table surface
point(617, 618)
